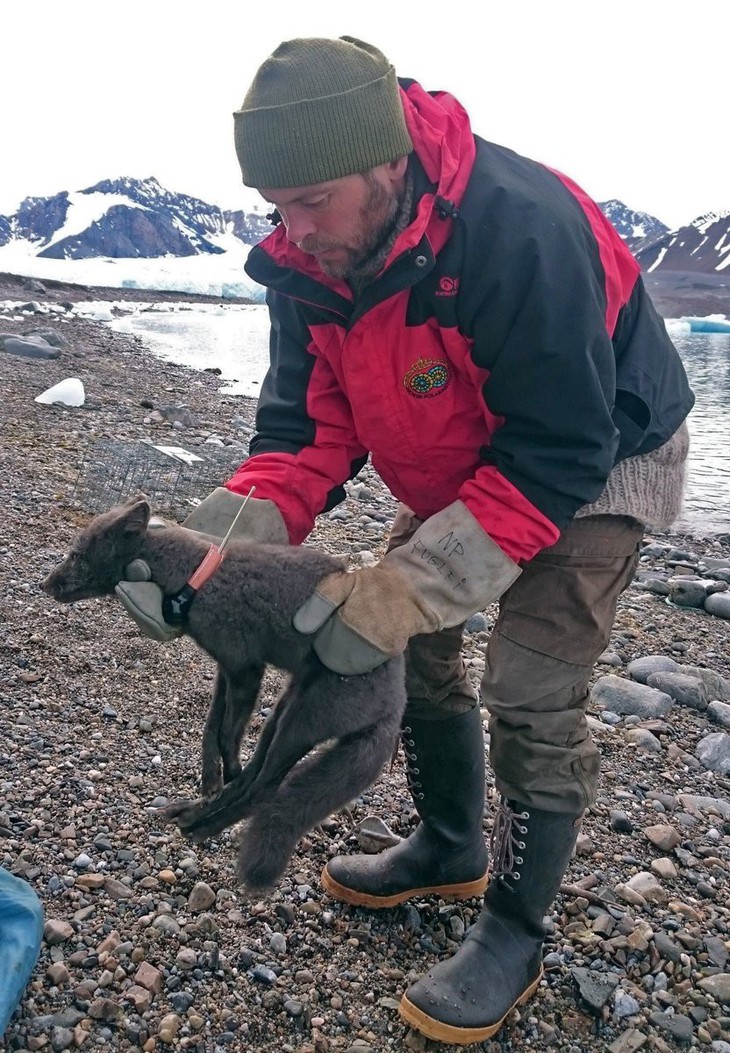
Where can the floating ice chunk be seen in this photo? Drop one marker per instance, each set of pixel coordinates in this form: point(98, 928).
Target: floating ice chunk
point(712, 323)
point(94, 311)
point(69, 392)
point(677, 326)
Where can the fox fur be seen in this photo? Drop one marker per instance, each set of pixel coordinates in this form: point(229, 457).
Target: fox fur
point(328, 736)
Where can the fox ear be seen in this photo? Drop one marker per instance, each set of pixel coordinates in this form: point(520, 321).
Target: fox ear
point(136, 515)
point(138, 497)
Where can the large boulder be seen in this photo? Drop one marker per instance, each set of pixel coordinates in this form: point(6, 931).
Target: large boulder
point(619, 695)
point(28, 347)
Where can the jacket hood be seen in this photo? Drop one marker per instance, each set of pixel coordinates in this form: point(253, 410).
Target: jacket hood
point(442, 140)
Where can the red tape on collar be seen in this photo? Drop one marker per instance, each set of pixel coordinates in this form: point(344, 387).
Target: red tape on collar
point(212, 560)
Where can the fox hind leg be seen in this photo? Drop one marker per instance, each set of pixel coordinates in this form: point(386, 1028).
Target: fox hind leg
point(318, 786)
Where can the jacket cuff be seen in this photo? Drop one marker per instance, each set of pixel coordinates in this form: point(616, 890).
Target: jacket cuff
point(454, 565)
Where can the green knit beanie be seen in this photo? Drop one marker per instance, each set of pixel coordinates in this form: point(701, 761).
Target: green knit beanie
point(317, 110)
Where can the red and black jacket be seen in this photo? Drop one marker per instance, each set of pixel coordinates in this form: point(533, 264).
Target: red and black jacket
point(507, 355)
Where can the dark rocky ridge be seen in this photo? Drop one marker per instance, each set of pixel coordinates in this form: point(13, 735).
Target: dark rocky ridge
point(701, 247)
point(140, 219)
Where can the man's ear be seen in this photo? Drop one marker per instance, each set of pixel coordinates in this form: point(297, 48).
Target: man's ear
point(397, 169)
point(135, 516)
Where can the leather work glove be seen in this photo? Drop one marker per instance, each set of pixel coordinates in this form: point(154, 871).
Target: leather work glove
point(261, 521)
point(448, 570)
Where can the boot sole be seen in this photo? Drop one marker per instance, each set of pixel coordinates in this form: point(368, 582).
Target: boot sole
point(463, 890)
point(458, 1036)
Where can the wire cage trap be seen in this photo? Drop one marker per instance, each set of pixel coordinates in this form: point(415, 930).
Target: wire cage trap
point(173, 478)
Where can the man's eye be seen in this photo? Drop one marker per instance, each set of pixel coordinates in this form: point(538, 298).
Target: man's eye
point(318, 202)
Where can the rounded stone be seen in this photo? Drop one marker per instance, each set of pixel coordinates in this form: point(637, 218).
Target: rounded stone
point(642, 668)
point(201, 898)
point(718, 604)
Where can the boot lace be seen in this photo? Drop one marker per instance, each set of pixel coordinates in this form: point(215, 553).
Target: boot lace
point(506, 842)
point(412, 772)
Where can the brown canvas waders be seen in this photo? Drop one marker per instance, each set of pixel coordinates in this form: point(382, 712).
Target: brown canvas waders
point(554, 622)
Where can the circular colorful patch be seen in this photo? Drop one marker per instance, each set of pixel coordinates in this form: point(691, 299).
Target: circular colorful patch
point(427, 377)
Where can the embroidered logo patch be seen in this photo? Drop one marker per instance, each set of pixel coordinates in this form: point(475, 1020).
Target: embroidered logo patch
point(426, 378)
point(448, 286)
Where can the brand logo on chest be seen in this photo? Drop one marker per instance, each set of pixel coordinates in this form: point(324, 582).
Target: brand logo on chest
point(448, 286)
point(427, 378)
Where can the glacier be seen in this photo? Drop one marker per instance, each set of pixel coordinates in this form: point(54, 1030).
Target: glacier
point(220, 275)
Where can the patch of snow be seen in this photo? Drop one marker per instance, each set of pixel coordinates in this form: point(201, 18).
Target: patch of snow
point(85, 209)
point(658, 260)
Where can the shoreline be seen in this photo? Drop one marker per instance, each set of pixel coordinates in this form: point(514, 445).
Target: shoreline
point(674, 293)
point(12, 286)
point(103, 725)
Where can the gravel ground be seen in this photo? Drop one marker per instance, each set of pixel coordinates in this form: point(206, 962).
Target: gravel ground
point(149, 944)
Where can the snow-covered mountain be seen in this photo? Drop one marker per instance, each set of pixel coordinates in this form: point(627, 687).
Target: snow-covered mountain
point(634, 227)
point(703, 246)
point(139, 219)
point(126, 219)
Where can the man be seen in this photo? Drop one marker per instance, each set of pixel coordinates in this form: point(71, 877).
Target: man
point(468, 319)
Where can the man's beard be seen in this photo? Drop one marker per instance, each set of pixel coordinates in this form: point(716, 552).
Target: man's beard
point(377, 216)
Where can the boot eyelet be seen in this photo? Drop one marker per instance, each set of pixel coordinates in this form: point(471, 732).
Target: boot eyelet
point(420, 796)
point(519, 860)
point(522, 829)
point(516, 876)
point(415, 771)
point(520, 844)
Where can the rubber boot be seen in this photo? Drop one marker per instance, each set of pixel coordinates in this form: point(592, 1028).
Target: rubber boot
point(447, 853)
point(499, 966)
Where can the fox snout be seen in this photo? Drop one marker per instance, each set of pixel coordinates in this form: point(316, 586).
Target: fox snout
point(97, 559)
point(64, 585)
point(56, 586)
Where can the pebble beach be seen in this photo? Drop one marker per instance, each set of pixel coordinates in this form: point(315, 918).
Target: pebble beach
point(149, 943)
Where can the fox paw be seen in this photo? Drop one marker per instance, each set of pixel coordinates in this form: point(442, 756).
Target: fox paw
point(181, 812)
point(193, 818)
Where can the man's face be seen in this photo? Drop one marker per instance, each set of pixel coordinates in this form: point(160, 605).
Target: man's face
point(343, 221)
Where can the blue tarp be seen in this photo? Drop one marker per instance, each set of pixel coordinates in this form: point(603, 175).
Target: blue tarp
point(21, 929)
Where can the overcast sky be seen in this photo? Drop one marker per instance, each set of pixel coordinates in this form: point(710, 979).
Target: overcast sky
point(628, 98)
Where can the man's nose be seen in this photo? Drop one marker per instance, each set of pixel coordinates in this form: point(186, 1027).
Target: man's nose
point(298, 225)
